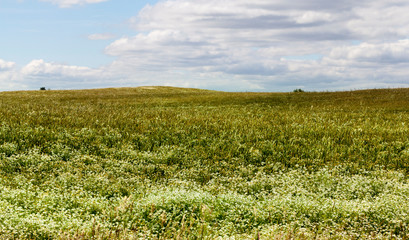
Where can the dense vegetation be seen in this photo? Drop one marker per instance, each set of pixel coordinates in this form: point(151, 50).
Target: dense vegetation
point(169, 163)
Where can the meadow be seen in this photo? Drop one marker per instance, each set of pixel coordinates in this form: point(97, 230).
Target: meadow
point(175, 163)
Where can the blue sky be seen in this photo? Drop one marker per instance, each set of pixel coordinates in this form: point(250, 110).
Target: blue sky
point(40, 30)
point(262, 45)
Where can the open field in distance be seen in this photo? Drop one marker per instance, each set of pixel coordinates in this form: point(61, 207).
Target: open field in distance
point(174, 163)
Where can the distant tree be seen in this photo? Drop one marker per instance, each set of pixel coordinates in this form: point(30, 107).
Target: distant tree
point(42, 88)
point(298, 90)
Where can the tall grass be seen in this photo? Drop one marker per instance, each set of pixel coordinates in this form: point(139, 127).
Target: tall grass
point(172, 163)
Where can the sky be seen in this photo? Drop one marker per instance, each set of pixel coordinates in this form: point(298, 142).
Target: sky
point(228, 45)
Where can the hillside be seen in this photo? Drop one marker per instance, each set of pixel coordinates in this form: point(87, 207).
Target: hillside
point(167, 163)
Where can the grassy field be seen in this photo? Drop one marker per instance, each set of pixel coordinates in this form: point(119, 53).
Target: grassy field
point(173, 163)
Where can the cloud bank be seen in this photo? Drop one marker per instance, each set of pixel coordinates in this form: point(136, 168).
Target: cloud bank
point(270, 43)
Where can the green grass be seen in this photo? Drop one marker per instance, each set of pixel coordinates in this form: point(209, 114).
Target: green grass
point(173, 163)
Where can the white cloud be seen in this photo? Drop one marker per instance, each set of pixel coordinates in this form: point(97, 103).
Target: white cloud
point(4, 65)
point(41, 68)
point(70, 3)
point(9, 79)
point(381, 20)
point(101, 36)
point(381, 53)
point(313, 16)
point(39, 73)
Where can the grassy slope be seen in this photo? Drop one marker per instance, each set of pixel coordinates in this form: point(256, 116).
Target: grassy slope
point(169, 162)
